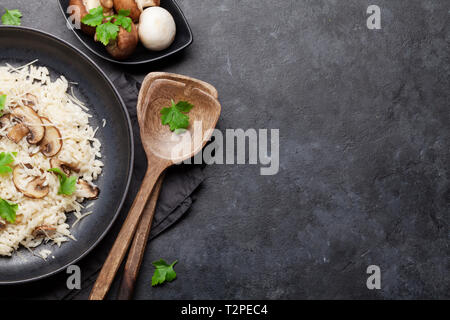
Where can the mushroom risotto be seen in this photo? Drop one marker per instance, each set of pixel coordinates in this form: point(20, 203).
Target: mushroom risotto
point(49, 158)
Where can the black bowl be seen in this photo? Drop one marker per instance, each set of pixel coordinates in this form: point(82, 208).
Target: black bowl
point(182, 40)
point(99, 94)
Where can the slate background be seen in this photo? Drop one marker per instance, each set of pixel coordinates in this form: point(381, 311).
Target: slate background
point(364, 134)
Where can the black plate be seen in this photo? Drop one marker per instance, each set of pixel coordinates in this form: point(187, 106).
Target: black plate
point(182, 40)
point(99, 94)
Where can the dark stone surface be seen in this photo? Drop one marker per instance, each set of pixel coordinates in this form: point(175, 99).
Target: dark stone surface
point(364, 131)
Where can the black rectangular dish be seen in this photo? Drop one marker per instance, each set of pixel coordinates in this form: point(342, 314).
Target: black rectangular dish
point(182, 40)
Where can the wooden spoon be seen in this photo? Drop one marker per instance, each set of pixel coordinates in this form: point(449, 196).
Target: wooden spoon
point(163, 149)
point(139, 244)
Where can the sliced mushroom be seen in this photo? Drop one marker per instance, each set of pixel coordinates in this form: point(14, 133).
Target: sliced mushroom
point(2, 224)
point(86, 190)
point(17, 131)
point(44, 231)
point(5, 120)
point(30, 100)
point(34, 189)
point(32, 121)
point(52, 143)
point(64, 166)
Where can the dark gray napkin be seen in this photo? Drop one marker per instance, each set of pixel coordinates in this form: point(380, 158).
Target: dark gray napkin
point(174, 201)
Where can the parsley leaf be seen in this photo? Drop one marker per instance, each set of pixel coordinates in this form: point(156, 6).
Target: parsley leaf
point(12, 17)
point(163, 272)
point(94, 17)
point(107, 27)
point(8, 210)
point(107, 32)
point(2, 103)
point(122, 20)
point(5, 160)
point(174, 116)
point(67, 185)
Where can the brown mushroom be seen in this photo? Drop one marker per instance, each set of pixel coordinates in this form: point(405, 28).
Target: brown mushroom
point(29, 118)
point(135, 6)
point(125, 44)
point(34, 189)
point(65, 167)
point(5, 120)
point(86, 190)
point(52, 143)
point(17, 132)
point(84, 6)
point(2, 224)
point(44, 231)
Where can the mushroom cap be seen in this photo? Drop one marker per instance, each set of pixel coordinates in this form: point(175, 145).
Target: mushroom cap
point(157, 28)
point(131, 5)
point(52, 143)
point(107, 4)
point(32, 121)
point(34, 189)
point(125, 44)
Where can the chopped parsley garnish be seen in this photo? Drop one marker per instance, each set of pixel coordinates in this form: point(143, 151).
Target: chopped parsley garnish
point(8, 210)
point(94, 17)
point(107, 32)
point(6, 158)
point(2, 103)
point(164, 272)
point(67, 185)
point(107, 27)
point(175, 115)
point(122, 20)
point(12, 17)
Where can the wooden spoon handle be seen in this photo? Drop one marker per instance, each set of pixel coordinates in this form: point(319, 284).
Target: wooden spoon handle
point(139, 244)
point(122, 243)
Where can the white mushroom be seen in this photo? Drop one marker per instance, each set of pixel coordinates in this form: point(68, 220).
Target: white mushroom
point(157, 28)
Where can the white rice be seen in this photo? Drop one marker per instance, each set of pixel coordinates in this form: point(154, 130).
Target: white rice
point(80, 146)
